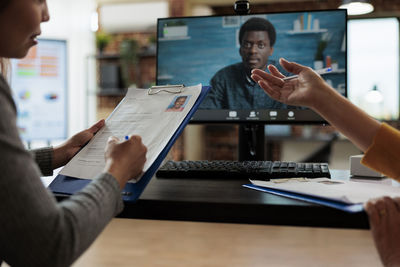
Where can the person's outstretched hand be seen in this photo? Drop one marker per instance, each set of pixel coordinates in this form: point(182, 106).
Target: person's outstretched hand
point(384, 220)
point(64, 152)
point(125, 160)
point(302, 91)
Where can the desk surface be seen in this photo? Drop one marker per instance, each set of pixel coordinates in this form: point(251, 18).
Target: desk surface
point(228, 202)
point(171, 243)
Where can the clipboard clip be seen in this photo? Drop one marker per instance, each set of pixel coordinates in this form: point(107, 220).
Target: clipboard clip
point(172, 89)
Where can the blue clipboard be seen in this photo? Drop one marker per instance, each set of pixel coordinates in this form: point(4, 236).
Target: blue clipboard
point(67, 185)
point(351, 208)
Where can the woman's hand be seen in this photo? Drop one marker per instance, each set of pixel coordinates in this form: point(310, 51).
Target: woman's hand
point(302, 91)
point(384, 220)
point(125, 160)
point(64, 152)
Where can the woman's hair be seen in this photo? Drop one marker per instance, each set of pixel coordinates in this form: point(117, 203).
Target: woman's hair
point(4, 4)
point(4, 62)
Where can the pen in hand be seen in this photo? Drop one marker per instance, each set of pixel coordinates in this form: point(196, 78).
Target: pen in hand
point(320, 72)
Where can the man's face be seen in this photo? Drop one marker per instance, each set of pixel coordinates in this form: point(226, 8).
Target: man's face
point(255, 50)
point(179, 102)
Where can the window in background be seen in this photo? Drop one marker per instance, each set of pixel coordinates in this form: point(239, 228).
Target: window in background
point(373, 66)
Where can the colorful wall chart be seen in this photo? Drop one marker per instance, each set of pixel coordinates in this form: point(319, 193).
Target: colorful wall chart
point(39, 85)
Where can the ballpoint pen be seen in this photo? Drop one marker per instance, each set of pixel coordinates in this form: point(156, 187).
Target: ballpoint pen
point(320, 72)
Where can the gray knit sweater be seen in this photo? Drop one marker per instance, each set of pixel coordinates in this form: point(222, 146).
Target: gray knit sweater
point(35, 230)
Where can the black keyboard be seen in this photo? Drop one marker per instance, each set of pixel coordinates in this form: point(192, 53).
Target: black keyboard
point(264, 170)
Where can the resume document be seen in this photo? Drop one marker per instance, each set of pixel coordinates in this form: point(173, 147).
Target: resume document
point(154, 117)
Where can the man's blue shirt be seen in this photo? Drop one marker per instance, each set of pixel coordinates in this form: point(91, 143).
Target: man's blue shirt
point(232, 88)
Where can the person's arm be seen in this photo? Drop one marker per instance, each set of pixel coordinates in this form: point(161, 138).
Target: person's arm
point(384, 153)
point(38, 231)
point(44, 159)
point(310, 90)
point(347, 118)
point(381, 142)
point(35, 230)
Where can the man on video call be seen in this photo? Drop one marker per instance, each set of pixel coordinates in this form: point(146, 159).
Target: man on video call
point(231, 86)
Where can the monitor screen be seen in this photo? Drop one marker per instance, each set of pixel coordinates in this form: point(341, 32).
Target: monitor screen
point(220, 51)
point(39, 84)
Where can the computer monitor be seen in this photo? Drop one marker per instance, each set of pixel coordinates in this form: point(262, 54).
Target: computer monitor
point(221, 50)
point(39, 84)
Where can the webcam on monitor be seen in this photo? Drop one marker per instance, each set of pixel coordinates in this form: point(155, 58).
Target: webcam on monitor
point(242, 7)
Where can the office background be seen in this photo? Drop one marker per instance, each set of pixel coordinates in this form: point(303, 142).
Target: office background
point(132, 23)
point(76, 22)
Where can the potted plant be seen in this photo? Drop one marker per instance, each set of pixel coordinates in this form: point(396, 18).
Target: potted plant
point(129, 58)
point(102, 40)
point(319, 54)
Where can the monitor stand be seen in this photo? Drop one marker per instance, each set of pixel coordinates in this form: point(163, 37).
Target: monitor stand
point(251, 142)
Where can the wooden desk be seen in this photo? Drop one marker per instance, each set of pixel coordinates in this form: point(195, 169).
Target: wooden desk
point(128, 242)
point(228, 202)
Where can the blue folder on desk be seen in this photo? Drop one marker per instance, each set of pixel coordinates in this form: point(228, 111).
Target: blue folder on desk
point(67, 185)
point(351, 208)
